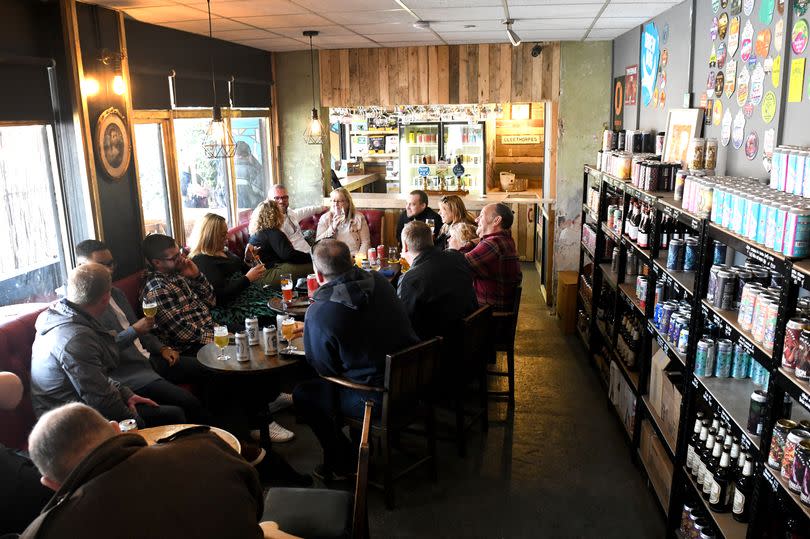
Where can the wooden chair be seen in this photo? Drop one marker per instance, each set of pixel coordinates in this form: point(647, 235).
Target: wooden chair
point(407, 398)
point(503, 340)
point(325, 513)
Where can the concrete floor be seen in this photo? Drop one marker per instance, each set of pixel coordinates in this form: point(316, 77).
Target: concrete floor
point(556, 466)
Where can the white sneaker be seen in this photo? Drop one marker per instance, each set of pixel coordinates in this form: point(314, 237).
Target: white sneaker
point(284, 400)
point(279, 434)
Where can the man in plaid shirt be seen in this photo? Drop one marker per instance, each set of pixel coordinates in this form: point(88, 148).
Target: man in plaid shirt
point(494, 261)
point(182, 293)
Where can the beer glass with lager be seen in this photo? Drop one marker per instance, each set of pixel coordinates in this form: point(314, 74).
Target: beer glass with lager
point(288, 330)
point(149, 308)
point(221, 340)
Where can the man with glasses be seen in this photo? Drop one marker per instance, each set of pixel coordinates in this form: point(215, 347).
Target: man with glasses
point(292, 217)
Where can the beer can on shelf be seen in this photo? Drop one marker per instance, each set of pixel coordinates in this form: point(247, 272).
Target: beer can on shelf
point(780, 433)
point(675, 255)
point(748, 298)
point(724, 288)
point(744, 276)
point(690, 257)
point(756, 412)
point(252, 330)
point(723, 358)
point(803, 455)
point(683, 340)
point(242, 347)
point(719, 256)
point(667, 310)
point(270, 340)
point(801, 360)
point(702, 358)
point(794, 437)
point(771, 318)
point(741, 364)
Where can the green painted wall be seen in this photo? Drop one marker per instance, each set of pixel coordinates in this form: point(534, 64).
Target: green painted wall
point(300, 162)
point(585, 86)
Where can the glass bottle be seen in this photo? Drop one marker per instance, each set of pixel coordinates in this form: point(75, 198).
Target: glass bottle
point(743, 488)
point(722, 490)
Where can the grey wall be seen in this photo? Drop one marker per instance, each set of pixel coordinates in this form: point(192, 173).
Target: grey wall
point(625, 54)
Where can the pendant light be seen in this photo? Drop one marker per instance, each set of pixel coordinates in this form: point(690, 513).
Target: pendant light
point(218, 142)
point(314, 133)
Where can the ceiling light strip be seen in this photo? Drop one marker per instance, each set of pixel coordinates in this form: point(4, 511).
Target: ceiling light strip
point(588, 31)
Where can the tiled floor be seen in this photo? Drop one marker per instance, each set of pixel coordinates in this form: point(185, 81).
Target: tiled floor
point(557, 466)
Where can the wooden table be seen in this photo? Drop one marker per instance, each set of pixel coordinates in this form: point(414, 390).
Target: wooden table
point(153, 434)
point(258, 362)
point(297, 308)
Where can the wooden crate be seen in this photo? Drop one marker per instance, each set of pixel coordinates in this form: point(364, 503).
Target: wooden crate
point(567, 300)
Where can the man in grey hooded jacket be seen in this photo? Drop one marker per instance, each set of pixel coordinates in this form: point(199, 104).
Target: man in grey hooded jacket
point(73, 355)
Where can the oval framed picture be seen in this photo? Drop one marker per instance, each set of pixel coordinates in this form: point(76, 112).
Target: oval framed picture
point(112, 143)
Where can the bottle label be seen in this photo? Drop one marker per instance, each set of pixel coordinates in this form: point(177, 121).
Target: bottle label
point(739, 502)
point(690, 457)
point(708, 481)
point(701, 473)
point(642, 239)
point(714, 497)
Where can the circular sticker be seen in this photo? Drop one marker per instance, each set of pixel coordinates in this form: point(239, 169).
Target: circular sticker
point(725, 128)
point(766, 11)
point(721, 56)
point(798, 38)
point(747, 43)
point(768, 138)
point(748, 7)
point(655, 98)
point(665, 33)
point(717, 113)
point(738, 130)
point(733, 36)
point(776, 71)
point(757, 86)
point(800, 7)
point(719, 83)
point(748, 110)
point(768, 107)
point(713, 56)
point(662, 99)
point(723, 4)
point(715, 6)
point(662, 79)
point(713, 29)
point(778, 34)
point(731, 77)
point(767, 65)
point(735, 7)
point(722, 26)
point(751, 145)
point(763, 43)
point(742, 86)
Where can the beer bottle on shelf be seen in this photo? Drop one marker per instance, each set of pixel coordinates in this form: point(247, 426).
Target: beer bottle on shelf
point(735, 456)
point(705, 457)
point(635, 221)
point(664, 228)
point(712, 467)
point(704, 433)
point(743, 488)
point(694, 441)
point(644, 229)
point(722, 490)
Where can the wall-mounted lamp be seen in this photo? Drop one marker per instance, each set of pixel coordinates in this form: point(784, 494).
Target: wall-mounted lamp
point(118, 85)
point(513, 37)
point(90, 87)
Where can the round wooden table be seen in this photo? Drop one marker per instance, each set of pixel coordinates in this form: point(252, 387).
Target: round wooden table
point(297, 308)
point(153, 434)
point(257, 363)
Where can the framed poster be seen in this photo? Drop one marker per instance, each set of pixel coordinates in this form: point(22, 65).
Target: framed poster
point(630, 85)
point(682, 126)
point(112, 143)
point(618, 103)
point(650, 54)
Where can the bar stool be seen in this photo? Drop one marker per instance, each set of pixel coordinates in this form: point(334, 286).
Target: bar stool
point(503, 340)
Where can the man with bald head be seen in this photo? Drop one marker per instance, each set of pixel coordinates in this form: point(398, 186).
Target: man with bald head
point(290, 225)
point(110, 484)
point(73, 355)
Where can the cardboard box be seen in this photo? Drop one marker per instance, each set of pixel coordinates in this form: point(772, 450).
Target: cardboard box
point(567, 300)
point(670, 406)
point(656, 462)
point(659, 363)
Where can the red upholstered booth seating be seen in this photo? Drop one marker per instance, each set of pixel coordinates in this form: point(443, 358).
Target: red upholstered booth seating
point(373, 217)
point(237, 239)
point(16, 337)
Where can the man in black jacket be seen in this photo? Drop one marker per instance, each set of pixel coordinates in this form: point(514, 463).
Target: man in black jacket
point(416, 209)
point(438, 289)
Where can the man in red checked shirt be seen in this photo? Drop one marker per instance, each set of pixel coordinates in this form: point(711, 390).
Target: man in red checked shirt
point(494, 261)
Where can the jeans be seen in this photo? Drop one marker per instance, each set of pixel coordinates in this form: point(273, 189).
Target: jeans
point(187, 370)
point(165, 393)
point(155, 416)
point(322, 405)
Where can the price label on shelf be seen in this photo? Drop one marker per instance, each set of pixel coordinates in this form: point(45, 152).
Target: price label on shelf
point(804, 400)
point(745, 443)
point(704, 311)
point(694, 382)
point(763, 258)
point(708, 398)
point(725, 417)
point(661, 343)
point(694, 223)
point(770, 479)
point(746, 345)
point(797, 277)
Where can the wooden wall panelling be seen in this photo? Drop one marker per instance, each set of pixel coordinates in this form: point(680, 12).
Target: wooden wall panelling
point(382, 75)
point(452, 79)
point(424, 74)
point(433, 72)
point(325, 74)
point(504, 73)
point(443, 55)
point(463, 78)
point(536, 93)
point(413, 76)
point(473, 59)
point(519, 67)
point(343, 65)
point(401, 94)
point(483, 74)
point(354, 75)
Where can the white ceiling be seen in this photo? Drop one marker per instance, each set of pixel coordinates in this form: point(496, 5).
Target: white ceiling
point(277, 25)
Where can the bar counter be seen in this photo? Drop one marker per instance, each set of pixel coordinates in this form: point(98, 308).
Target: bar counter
point(396, 201)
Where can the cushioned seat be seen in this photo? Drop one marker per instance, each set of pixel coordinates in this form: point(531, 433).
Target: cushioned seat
point(237, 239)
point(309, 512)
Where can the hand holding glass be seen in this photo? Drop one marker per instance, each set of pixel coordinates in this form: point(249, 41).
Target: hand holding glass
point(288, 327)
point(221, 340)
point(431, 223)
point(149, 308)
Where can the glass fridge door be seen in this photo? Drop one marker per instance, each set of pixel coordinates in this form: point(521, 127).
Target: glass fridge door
point(419, 150)
point(466, 141)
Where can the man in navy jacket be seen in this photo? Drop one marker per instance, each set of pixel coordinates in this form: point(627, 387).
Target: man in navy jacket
point(355, 321)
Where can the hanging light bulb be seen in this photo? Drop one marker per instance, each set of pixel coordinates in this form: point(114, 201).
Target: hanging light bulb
point(118, 85)
point(218, 142)
point(314, 132)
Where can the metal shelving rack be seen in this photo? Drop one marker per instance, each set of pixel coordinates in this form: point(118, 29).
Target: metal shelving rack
point(729, 397)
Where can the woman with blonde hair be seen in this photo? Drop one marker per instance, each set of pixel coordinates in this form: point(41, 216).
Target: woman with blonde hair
point(343, 223)
point(462, 237)
point(452, 211)
point(273, 247)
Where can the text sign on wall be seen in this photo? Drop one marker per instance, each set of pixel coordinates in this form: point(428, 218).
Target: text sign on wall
point(520, 139)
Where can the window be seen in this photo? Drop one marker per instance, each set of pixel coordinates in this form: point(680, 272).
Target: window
point(251, 163)
point(31, 218)
point(152, 177)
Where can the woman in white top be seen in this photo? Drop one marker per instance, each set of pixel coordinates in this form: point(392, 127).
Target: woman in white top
point(342, 222)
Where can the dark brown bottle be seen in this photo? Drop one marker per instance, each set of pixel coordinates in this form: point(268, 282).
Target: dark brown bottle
point(741, 507)
point(712, 467)
point(722, 491)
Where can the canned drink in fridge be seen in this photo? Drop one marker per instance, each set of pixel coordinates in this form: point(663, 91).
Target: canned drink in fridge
point(252, 330)
point(269, 340)
point(242, 347)
point(741, 364)
point(723, 358)
point(702, 358)
point(793, 332)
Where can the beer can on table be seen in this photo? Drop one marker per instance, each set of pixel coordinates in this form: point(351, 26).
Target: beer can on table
point(372, 256)
point(794, 437)
point(252, 330)
point(279, 321)
point(723, 358)
point(270, 340)
point(242, 347)
point(756, 412)
point(741, 364)
point(778, 441)
point(702, 359)
point(127, 425)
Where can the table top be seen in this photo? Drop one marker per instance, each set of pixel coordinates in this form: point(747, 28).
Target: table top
point(153, 434)
point(296, 309)
point(258, 362)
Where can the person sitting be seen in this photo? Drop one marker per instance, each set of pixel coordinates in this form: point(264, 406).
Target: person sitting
point(73, 356)
point(494, 261)
point(183, 295)
point(342, 222)
point(138, 349)
point(438, 289)
point(22, 496)
point(193, 486)
point(273, 247)
point(354, 321)
point(462, 237)
point(452, 211)
point(291, 217)
point(416, 209)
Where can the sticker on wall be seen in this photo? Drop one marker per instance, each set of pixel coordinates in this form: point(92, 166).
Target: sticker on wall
point(751, 145)
point(631, 85)
point(724, 4)
point(715, 6)
point(713, 57)
point(662, 99)
point(796, 83)
point(767, 64)
point(664, 58)
point(798, 38)
point(725, 128)
point(742, 86)
point(766, 11)
point(747, 44)
point(799, 7)
point(719, 84)
point(748, 7)
point(763, 43)
point(704, 101)
point(713, 29)
point(662, 80)
point(708, 108)
point(650, 54)
point(665, 33)
point(768, 138)
point(780, 6)
point(655, 98)
point(710, 83)
point(738, 130)
point(748, 110)
point(735, 7)
point(768, 107)
point(717, 113)
point(778, 34)
point(731, 77)
point(776, 72)
point(721, 55)
point(733, 36)
point(722, 26)
point(757, 86)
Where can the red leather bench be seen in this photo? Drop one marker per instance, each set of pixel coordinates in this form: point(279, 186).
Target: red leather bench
point(373, 217)
point(16, 337)
point(237, 239)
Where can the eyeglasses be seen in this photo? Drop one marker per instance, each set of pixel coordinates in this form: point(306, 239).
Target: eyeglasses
point(285, 197)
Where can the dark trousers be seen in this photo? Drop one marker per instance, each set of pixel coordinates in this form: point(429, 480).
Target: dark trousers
point(166, 393)
point(22, 496)
point(323, 405)
point(187, 370)
point(155, 416)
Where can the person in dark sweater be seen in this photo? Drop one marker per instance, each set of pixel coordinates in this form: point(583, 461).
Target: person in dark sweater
point(416, 209)
point(438, 289)
point(273, 247)
point(355, 320)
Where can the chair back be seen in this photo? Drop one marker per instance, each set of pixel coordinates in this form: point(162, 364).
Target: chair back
point(410, 376)
point(476, 342)
point(505, 323)
point(360, 513)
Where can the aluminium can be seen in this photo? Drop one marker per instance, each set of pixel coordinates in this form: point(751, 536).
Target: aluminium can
point(270, 340)
point(242, 347)
point(741, 364)
point(723, 358)
point(252, 330)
